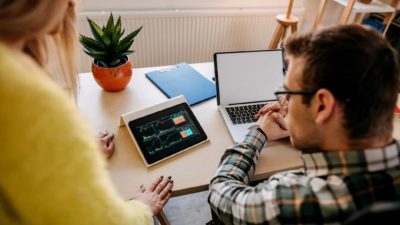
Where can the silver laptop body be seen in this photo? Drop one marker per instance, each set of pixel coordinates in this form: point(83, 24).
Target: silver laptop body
point(245, 82)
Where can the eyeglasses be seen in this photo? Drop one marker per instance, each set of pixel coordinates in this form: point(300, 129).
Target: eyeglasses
point(283, 94)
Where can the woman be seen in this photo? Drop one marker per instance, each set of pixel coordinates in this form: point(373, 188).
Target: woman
point(51, 168)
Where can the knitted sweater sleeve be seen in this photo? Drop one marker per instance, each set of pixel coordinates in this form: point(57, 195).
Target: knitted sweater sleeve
point(52, 171)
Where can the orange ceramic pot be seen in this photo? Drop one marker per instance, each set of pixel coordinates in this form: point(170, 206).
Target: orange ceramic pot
point(114, 78)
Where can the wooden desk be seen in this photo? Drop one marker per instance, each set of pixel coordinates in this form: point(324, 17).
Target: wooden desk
point(191, 170)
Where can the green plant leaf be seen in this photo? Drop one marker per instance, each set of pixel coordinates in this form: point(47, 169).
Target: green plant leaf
point(90, 44)
point(106, 42)
point(115, 62)
point(117, 34)
point(96, 31)
point(108, 46)
point(101, 63)
point(110, 22)
point(97, 55)
point(118, 26)
point(117, 37)
point(109, 29)
point(130, 36)
point(121, 55)
point(124, 48)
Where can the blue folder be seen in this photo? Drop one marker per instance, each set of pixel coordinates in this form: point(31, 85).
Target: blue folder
point(182, 79)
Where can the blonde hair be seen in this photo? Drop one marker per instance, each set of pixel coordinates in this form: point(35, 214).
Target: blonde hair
point(31, 21)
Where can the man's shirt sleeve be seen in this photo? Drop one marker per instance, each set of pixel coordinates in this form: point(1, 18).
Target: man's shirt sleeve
point(230, 197)
point(275, 201)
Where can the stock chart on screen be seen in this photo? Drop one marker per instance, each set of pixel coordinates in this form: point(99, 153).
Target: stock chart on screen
point(167, 131)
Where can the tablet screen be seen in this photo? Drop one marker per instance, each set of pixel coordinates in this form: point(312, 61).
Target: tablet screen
point(167, 132)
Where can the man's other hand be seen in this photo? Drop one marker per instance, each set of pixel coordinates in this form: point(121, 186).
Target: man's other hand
point(272, 107)
point(271, 119)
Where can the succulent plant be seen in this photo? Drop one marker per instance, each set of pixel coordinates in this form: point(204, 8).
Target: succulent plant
point(106, 47)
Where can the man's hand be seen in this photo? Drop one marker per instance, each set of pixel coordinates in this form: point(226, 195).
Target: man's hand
point(106, 143)
point(274, 107)
point(272, 122)
point(156, 195)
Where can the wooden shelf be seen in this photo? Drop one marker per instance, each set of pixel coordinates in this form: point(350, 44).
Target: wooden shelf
point(360, 9)
point(375, 6)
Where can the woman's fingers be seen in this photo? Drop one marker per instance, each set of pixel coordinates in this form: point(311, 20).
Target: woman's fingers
point(107, 138)
point(142, 189)
point(107, 145)
point(167, 189)
point(109, 150)
point(165, 200)
point(103, 133)
point(157, 195)
point(111, 147)
point(155, 183)
point(161, 186)
point(110, 140)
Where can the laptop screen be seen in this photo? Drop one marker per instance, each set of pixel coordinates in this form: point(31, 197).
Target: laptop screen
point(251, 76)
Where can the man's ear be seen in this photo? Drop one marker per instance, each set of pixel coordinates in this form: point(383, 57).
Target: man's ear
point(324, 105)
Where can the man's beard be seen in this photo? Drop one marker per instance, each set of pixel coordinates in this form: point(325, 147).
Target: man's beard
point(307, 143)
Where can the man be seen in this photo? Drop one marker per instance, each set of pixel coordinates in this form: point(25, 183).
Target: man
point(337, 107)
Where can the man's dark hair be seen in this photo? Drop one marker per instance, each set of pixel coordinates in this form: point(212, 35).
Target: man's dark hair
point(359, 67)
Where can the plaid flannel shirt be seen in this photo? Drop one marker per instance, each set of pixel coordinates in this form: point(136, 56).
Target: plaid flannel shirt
point(332, 185)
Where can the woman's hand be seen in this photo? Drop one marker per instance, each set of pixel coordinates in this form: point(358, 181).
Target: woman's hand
point(106, 143)
point(156, 195)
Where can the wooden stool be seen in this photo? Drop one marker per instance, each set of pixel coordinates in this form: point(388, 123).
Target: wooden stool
point(284, 21)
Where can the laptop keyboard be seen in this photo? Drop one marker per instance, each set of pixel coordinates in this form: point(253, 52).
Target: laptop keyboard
point(243, 114)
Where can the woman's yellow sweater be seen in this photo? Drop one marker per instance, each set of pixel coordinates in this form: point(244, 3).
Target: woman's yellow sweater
point(51, 170)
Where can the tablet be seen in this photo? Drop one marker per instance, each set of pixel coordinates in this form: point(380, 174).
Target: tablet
point(164, 130)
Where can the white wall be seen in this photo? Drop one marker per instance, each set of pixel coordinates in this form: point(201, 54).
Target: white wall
point(170, 7)
point(99, 5)
point(173, 32)
point(331, 16)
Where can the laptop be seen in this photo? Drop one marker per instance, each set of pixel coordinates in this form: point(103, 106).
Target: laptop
point(245, 82)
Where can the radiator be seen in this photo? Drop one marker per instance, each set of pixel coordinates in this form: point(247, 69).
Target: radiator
point(170, 37)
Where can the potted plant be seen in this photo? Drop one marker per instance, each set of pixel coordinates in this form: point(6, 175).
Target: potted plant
point(111, 67)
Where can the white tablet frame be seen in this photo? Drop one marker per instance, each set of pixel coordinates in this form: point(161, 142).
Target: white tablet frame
point(130, 116)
